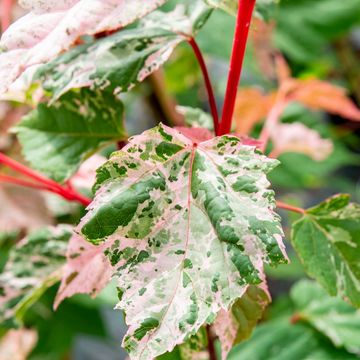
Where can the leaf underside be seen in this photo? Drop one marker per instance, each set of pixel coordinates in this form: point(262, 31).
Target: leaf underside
point(188, 226)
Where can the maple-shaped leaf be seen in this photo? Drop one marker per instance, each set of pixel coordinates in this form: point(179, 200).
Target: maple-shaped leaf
point(87, 270)
point(121, 61)
point(33, 266)
point(237, 324)
point(321, 95)
point(52, 27)
point(327, 240)
point(188, 226)
point(296, 137)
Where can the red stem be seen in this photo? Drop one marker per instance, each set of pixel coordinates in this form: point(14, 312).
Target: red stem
point(44, 183)
point(284, 206)
point(246, 8)
point(6, 7)
point(208, 85)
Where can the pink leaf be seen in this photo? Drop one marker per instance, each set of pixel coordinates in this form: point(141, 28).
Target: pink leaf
point(87, 270)
point(195, 134)
point(52, 27)
point(17, 344)
point(297, 137)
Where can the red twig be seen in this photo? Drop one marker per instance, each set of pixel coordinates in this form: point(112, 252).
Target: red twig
point(211, 345)
point(208, 85)
point(284, 206)
point(246, 8)
point(43, 182)
point(6, 7)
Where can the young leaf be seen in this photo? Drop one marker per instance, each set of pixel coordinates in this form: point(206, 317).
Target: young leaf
point(296, 137)
point(327, 240)
point(321, 95)
point(87, 270)
point(189, 227)
point(57, 138)
point(236, 325)
point(122, 60)
point(52, 27)
point(330, 315)
point(33, 266)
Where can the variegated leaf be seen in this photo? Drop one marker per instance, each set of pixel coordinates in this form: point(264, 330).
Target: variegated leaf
point(188, 227)
point(52, 27)
point(33, 266)
point(327, 240)
point(56, 139)
point(87, 270)
point(122, 60)
point(236, 325)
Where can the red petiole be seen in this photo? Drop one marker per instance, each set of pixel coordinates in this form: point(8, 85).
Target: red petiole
point(245, 11)
point(209, 88)
point(42, 182)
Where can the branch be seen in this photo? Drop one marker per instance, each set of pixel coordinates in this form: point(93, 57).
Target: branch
point(6, 7)
point(288, 207)
point(43, 182)
point(211, 345)
point(208, 85)
point(246, 8)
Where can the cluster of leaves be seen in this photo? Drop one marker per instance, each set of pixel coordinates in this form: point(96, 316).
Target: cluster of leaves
point(184, 221)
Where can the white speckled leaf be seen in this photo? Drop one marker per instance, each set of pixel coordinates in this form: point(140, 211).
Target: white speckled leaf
point(327, 240)
point(237, 324)
point(188, 227)
point(33, 266)
point(52, 27)
point(124, 59)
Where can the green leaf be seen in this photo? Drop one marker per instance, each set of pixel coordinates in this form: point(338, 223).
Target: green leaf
point(327, 240)
point(305, 27)
point(58, 137)
point(188, 227)
point(33, 266)
point(336, 319)
point(121, 61)
point(281, 340)
point(237, 325)
point(195, 117)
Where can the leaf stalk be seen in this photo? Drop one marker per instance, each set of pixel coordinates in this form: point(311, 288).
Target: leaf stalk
point(42, 182)
point(243, 20)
